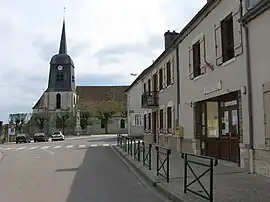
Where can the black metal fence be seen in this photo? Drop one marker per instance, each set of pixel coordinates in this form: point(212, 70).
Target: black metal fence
point(201, 161)
point(143, 151)
point(163, 162)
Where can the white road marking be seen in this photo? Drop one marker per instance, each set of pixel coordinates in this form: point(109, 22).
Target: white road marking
point(52, 153)
point(106, 145)
point(93, 145)
point(32, 148)
point(45, 147)
point(57, 147)
point(20, 148)
point(7, 148)
point(82, 146)
point(69, 146)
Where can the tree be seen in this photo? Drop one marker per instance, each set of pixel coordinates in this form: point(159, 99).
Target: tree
point(18, 120)
point(62, 118)
point(40, 119)
point(107, 109)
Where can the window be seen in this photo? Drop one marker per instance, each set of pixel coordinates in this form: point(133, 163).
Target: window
point(102, 123)
point(58, 101)
point(168, 70)
point(144, 122)
point(196, 59)
point(149, 85)
point(138, 121)
point(144, 88)
point(227, 38)
point(73, 79)
point(122, 123)
point(60, 77)
point(251, 3)
point(149, 121)
point(161, 119)
point(169, 117)
point(155, 82)
point(160, 79)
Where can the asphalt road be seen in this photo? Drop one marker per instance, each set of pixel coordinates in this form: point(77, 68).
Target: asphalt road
point(59, 172)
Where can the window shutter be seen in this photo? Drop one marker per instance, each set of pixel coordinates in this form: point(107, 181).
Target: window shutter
point(133, 119)
point(172, 70)
point(157, 119)
point(190, 58)
point(157, 80)
point(165, 120)
point(202, 53)
point(218, 45)
point(237, 29)
point(164, 77)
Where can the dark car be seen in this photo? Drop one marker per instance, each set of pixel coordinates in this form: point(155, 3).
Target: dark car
point(40, 137)
point(22, 138)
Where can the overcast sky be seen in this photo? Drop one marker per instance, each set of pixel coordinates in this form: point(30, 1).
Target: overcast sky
point(107, 40)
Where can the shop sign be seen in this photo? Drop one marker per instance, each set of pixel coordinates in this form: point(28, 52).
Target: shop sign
point(215, 88)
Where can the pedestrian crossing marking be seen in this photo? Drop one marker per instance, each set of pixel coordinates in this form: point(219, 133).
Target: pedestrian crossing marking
point(31, 148)
point(93, 145)
point(82, 146)
point(70, 146)
point(57, 147)
point(106, 145)
point(6, 149)
point(20, 148)
point(45, 147)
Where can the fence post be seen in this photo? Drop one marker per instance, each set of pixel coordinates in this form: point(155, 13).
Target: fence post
point(185, 173)
point(168, 164)
point(150, 156)
point(139, 150)
point(143, 153)
point(157, 148)
point(211, 179)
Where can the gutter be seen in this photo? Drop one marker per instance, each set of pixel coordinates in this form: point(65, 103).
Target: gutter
point(250, 101)
point(178, 85)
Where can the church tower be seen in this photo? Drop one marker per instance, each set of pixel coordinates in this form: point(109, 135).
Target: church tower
point(60, 95)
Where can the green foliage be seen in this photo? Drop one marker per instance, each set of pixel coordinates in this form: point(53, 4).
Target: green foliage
point(40, 119)
point(18, 120)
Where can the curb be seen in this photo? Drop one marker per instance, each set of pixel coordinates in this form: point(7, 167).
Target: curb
point(158, 186)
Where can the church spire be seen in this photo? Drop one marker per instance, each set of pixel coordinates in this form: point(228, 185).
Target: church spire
point(63, 42)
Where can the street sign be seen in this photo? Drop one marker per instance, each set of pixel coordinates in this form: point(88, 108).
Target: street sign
point(11, 130)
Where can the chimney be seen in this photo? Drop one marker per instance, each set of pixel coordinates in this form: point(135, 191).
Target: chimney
point(169, 37)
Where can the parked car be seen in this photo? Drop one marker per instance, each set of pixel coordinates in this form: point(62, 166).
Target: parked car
point(58, 135)
point(22, 138)
point(40, 137)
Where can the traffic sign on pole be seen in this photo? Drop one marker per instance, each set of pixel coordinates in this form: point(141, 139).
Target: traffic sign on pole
point(11, 130)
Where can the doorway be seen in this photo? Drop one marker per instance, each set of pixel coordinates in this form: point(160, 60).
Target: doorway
point(218, 127)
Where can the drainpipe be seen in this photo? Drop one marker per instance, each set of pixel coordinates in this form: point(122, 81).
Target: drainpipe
point(250, 101)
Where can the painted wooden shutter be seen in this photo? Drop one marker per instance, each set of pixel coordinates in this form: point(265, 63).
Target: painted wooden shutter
point(218, 44)
point(172, 70)
point(202, 53)
point(237, 29)
point(164, 77)
point(133, 119)
point(190, 59)
point(165, 120)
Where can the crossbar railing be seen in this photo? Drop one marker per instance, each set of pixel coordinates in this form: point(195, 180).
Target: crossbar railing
point(209, 163)
point(163, 162)
point(147, 155)
point(137, 149)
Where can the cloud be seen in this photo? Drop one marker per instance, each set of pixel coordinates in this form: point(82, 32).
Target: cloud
point(107, 41)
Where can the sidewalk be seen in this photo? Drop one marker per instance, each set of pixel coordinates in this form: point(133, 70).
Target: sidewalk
point(231, 183)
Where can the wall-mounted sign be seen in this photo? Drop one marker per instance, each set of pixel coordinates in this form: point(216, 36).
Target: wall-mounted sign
point(215, 88)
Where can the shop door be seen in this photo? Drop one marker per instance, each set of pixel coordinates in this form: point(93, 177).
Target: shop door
point(229, 133)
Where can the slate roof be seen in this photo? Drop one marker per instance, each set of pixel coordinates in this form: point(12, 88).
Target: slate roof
point(95, 94)
point(39, 103)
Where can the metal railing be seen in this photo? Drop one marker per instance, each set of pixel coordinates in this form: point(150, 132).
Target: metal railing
point(208, 163)
point(163, 162)
point(147, 155)
point(137, 149)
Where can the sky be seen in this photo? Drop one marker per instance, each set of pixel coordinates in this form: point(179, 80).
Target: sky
point(107, 40)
